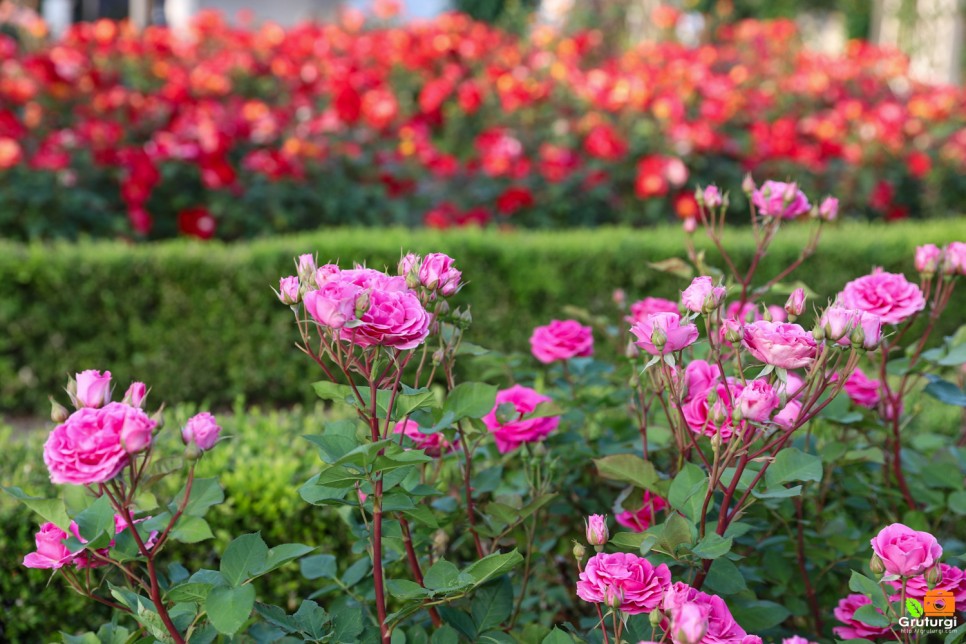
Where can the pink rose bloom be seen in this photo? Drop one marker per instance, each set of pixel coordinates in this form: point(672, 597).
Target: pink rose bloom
point(87, 447)
point(202, 430)
point(288, 290)
point(647, 307)
point(306, 264)
point(871, 326)
point(642, 519)
point(757, 401)
point(676, 336)
point(135, 394)
point(93, 388)
point(326, 273)
point(705, 418)
point(780, 199)
point(829, 209)
point(889, 295)
point(51, 551)
point(863, 391)
point(838, 323)
point(711, 196)
point(394, 319)
point(596, 529)
point(722, 627)
point(408, 264)
point(699, 376)
point(797, 639)
point(432, 444)
point(689, 623)
point(787, 346)
point(702, 296)
point(334, 304)
point(796, 302)
point(641, 585)
point(137, 429)
point(437, 272)
point(788, 415)
point(369, 278)
point(854, 629)
point(511, 433)
point(904, 551)
point(927, 258)
point(955, 258)
point(953, 581)
point(561, 340)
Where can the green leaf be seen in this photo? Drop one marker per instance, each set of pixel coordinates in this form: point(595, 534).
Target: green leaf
point(443, 575)
point(470, 400)
point(492, 605)
point(95, 524)
point(460, 621)
point(228, 608)
point(347, 624)
point(724, 578)
point(757, 615)
point(868, 614)
point(191, 529)
point(956, 636)
point(792, 464)
point(493, 565)
point(52, 510)
point(677, 531)
point(445, 635)
point(957, 503)
point(859, 583)
point(914, 606)
point(319, 567)
point(945, 391)
point(204, 494)
point(558, 636)
point(282, 554)
point(312, 620)
point(629, 540)
point(243, 558)
point(712, 546)
point(356, 572)
point(405, 589)
point(628, 468)
point(688, 490)
point(190, 592)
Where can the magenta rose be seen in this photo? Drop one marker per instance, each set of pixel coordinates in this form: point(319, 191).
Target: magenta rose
point(640, 584)
point(783, 345)
point(507, 423)
point(647, 307)
point(561, 340)
point(87, 448)
point(596, 529)
point(288, 290)
point(393, 319)
point(797, 639)
point(722, 626)
point(369, 278)
point(780, 199)
point(135, 394)
point(953, 581)
point(432, 444)
point(689, 622)
point(202, 430)
point(51, 551)
point(699, 376)
point(334, 304)
point(93, 388)
point(326, 273)
point(137, 429)
point(889, 295)
point(667, 327)
point(904, 551)
point(927, 258)
point(853, 628)
point(702, 296)
point(643, 518)
point(706, 418)
point(757, 401)
point(863, 391)
point(955, 258)
point(438, 273)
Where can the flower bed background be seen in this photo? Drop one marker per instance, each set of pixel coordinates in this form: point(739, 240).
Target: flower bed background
point(197, 317)
point(448, 123)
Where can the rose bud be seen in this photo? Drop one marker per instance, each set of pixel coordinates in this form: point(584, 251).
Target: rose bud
point(288, 290)
point(596, 526)
point(201, 430)
point(796, 303)
point(93, 388)
point(135, 394)
point(829, 210)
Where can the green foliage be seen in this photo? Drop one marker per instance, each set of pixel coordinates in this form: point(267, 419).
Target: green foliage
point(202, 320)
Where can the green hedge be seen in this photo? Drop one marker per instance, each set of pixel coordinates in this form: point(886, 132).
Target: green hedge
point(198, 321)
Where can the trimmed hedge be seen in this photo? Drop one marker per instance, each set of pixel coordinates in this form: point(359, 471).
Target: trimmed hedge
point(198, 321)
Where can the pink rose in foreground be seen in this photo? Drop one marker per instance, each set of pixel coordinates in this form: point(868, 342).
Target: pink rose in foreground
point(953, 580)
point(93, 388)
point(643, 518)
point(334, 304)
point(511, 433)
point(838, 322)
point(667, 327)
point(889, 295)
point(596, 529)
point(863, 391)
point(689, 623)
point(288, 290)
point(202, 430)
point(369, 278)
point(871, 326)
point(795, 304)
point(561, 340)
point(437, 272)
point(87, 447)
point(393, 319)
point(954, 260)
point(722, 626)
point(757, 401)
point(904, 551)
point(780, 199)
point(783, 345)
point(797, 639)
point(51, 551)
point(927, 258)
point(137, 429)
point(432, 444)
point(706, 418)
point(854, 629)
point(135, 394)
point(640, 584)
point(326, 273)
point(702, 296)
point(643, 309)
point(699, 376)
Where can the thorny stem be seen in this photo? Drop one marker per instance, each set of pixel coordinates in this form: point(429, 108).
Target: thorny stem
point(809, 589)
point(414, 564)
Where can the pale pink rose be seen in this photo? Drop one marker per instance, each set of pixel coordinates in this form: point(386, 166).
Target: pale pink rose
point(953, 581)
point(871, 326)
point(326, 273)
point(853, 628)
point(437, 272)
point(641, 584)
point(202, 430)
point(796, 302)
point(432, 444)
point(889, 295)
point(780, 199)
point(93, 388)
point(863, 390)
point(838, 322)
point(699, 376)
point(675, 335)
point(137, 429)
point(829, 209)
point(135, 394)
point(288, 290)
point(334, 304)
point(393, 319)
point(712, 196)
point(702, 296)
point(643, 309)
point(409, 263)
point(783, 345)
point(955, 258)
point(904, 551)
point(596, 530)
point(87, 448)
point(306, 264)
point(689, 225)
point(689, 623)
point(514, 430)
point(643, 518)
point(757, 401)
point(51, 551)
point(676, 172)
point(706, 418)
point(927, 258)
point(788, 415)
point(722, 627)
point(561, 340)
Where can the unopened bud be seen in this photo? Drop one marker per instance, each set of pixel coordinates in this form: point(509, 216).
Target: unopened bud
point(438, 356)
point(631, 350)
point(658, 338)
point(818, 332)
point(857, 337)
point(596, 529)
point(613, 597)
point(716, 441)
point(362, 304)
point(579, 551)
point(736, 416)
point(766, 314)
point(876, 566)
point(634, 380)
point(934, 576)
point(712, 397)
point(748, 184)
point(58, 413)
point(655, 617)
point(192, 452)
point(158, 418)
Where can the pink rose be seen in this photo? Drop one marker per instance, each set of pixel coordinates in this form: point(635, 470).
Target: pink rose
point(787, 417)
point(51, 551)
point(722, 626)
point(561, 340)
point(87, 447)
point(797, 639)
point(288, 290)
point(135, 394)
point(904, 551)
point(793, 387)
point(640, 584)
point(871, 326)
point(699, 376)
point(202, 430)
point(863, 391)
point(927, 258)
point(643, 309)
point(409, 263)
point(702, 296)
point(432, 444)
point(955, 258)
point(953, 581)
point(829, 209)
point(137, 429)
point(854, 629)
point(796, 302)
point(93, 388)
point(334, 304)
point(393, 319)
point(889, 295)
point(780, 199)
point(667, 329)
point(689, 623)
point(369, 278)
point(437, 272)
point(643, 518)
point(787, 346)
point(706, 418)
point(711, 196)
point(306, 264)
point(326, 273)
point(757, 401)
point(596, 529)
point(838, 323)
point(513, 431)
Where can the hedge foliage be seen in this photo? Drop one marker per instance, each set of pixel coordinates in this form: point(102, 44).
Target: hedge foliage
point(199, 322)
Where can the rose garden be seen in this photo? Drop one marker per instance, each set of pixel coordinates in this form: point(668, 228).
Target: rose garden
point(744, 423)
